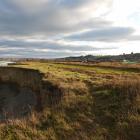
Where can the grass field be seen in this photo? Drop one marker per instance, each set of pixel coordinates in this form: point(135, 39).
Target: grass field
point(99, 102)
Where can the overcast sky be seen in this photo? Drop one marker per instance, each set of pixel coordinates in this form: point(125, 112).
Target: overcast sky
point(60, 28)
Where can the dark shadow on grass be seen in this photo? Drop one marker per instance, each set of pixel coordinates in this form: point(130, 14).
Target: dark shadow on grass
point(52, 92)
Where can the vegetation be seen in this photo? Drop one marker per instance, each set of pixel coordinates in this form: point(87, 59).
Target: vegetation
point(128, 58)
point(96, 103)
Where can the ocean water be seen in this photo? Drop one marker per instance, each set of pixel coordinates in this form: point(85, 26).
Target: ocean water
point(5, 63)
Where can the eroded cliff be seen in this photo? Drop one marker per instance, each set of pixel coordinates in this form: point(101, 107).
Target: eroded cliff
point(20, 91)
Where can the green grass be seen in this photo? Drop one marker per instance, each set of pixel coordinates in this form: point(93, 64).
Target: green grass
point(97, 68)
point(53, 69)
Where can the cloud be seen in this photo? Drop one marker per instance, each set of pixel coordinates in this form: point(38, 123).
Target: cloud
point(48, 17)
point(109, 34)
point(46, 49)
point(57, 28)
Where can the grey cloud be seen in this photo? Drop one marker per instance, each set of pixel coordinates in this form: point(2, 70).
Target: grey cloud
point(50, 18)
point(45, 49)
point(31, 53)
point(76, 3)
point(134, 38)
point(110, 34)
point(22, 44)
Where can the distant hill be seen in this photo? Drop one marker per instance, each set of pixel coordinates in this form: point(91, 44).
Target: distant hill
point(90, 58)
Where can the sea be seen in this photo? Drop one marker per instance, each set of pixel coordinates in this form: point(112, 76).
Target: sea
point(6, 63)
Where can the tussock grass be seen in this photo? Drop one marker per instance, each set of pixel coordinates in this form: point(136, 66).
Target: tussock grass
point(81, 103)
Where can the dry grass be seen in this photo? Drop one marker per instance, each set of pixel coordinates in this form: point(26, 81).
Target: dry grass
point(98, 104)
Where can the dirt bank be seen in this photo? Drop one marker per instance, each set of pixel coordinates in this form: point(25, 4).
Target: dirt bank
point(20, 91)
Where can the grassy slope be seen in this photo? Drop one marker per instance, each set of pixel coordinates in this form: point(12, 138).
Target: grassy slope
point(98, 104)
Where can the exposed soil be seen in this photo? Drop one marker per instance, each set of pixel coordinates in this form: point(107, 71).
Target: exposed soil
point(15, 102)
point(20, 92)
point(23, 90)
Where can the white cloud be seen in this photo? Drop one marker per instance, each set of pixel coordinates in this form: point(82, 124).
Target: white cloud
point(123, 11)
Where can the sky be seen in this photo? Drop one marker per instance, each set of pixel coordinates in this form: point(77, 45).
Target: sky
point(62, 28)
